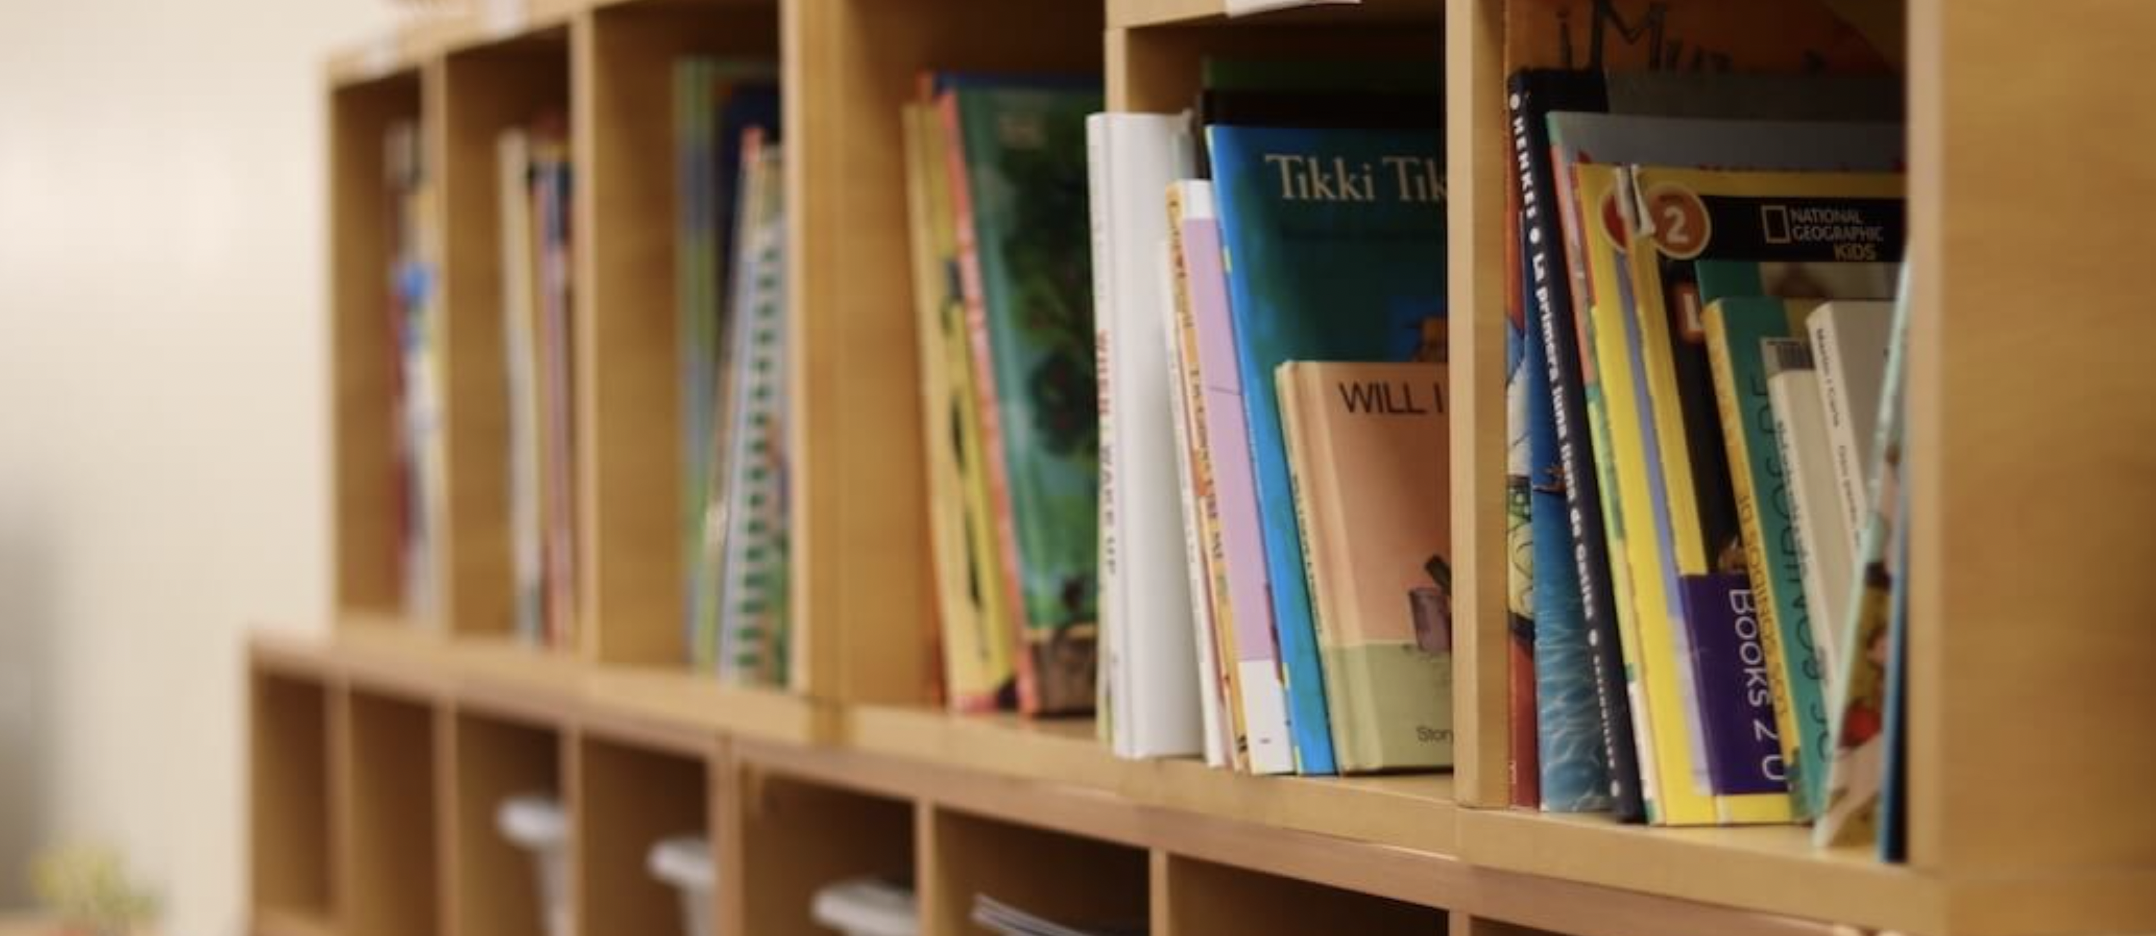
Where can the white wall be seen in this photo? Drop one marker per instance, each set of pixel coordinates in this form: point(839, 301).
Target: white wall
point(163, 475)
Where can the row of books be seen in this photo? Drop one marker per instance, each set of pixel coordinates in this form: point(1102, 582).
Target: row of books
point(1692, 500)
point(730, 297)
point(1230, 534)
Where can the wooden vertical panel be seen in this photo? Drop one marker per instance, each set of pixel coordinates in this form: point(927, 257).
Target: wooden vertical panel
point(628, 799)
point(494, 887)
point(362, 354)
point(795, 837)
point(628, 426)
point(859, 523)
point(1206, 899)
point(1070, 880)
point(1161, 893)
point(289, 821)
point(389, 886)
point(482, 93)
point(1476, 161)
point(2032, 446)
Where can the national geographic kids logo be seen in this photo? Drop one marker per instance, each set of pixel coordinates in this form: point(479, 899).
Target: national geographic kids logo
point(1854, 238)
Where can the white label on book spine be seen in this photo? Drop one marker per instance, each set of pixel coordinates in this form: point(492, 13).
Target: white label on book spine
point(1248, 7)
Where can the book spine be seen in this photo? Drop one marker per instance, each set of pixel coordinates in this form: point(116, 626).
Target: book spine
point(1736, 701)
point(1800, 433)
point(1236, 544)
point(1551, 298)
point(984, 385)
point(1834, 402)
point(1213, 696)
point(1761, 484)
point(1111, 688)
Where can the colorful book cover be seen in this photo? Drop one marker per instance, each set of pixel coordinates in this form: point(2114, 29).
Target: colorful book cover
point(1858, 770)
point(1234, 537)
point(1369, 454)
point(1019, 183)
point(1523, 763)
point(1736, 699)
point(975, 648)
point(1335, 244)
point(753, 559)
point(1687, 215)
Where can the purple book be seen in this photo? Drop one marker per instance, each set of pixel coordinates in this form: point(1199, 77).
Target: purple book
point(1257, 677)
point(1729, 665)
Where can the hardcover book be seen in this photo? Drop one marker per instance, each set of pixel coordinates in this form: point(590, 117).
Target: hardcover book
point(1144, 598)
point(974, 643)
point(1017, 162)
point(1369, 452)
point(1335, 244)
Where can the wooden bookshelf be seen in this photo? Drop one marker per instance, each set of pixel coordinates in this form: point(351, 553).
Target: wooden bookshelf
point(379, 752)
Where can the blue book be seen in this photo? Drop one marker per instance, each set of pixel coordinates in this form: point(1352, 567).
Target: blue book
point(1335, 244)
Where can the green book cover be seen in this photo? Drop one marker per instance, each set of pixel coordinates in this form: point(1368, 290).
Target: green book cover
point(1025, 256)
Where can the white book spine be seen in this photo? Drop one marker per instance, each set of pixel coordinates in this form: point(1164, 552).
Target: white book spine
point(520, 352)
point(1840, 428)
point(1148, 586)
point(1800, 432)
point(1110, 691)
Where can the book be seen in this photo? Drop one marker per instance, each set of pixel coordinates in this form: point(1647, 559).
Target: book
point(1553, 282)
point(520, 353)
point(1224, 462)
point(1017, 163)
point(1858, 771)
point(1849, 346)
point(751, 506)
point(1335, 244)
point(1800, 431)
point(1195, 497)
point(554, 284)
point(1144, 600)
point(1523, 765)
point(1683, 216)
point(1369, 456)
point(972, 642)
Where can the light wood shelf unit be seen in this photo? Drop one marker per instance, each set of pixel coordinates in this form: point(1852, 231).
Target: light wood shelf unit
point(491, 885)
point(2071, 853)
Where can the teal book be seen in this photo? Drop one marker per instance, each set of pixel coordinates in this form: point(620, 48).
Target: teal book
point(1335, 244)
point(1025, 247)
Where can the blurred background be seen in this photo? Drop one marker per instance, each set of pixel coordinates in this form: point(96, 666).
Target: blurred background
point(163, 475)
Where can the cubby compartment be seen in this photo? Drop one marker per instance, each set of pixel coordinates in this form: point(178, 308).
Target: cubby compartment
point(389, 878)
point(628, 384)
point(481, 92)
point(796, 836)
point(1200, 898)
point(1155, 55)
point(1065, 878)
point(367, 505)
point(624, 799)
point(861, 583)
point(495, 886)
point(291, 787)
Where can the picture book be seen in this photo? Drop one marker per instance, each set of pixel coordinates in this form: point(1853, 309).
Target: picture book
point(974, 644)
point(1195, 488)
point(1335, 250)
point(1019, 183)
point(1858, 770)
point(1224, 462)
point(1369, 455)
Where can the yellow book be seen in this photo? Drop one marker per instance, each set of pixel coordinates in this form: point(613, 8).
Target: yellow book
point(1671, 751)
point(976, 654)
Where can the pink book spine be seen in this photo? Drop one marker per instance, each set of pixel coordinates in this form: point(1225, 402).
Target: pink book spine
point(1236, 497)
